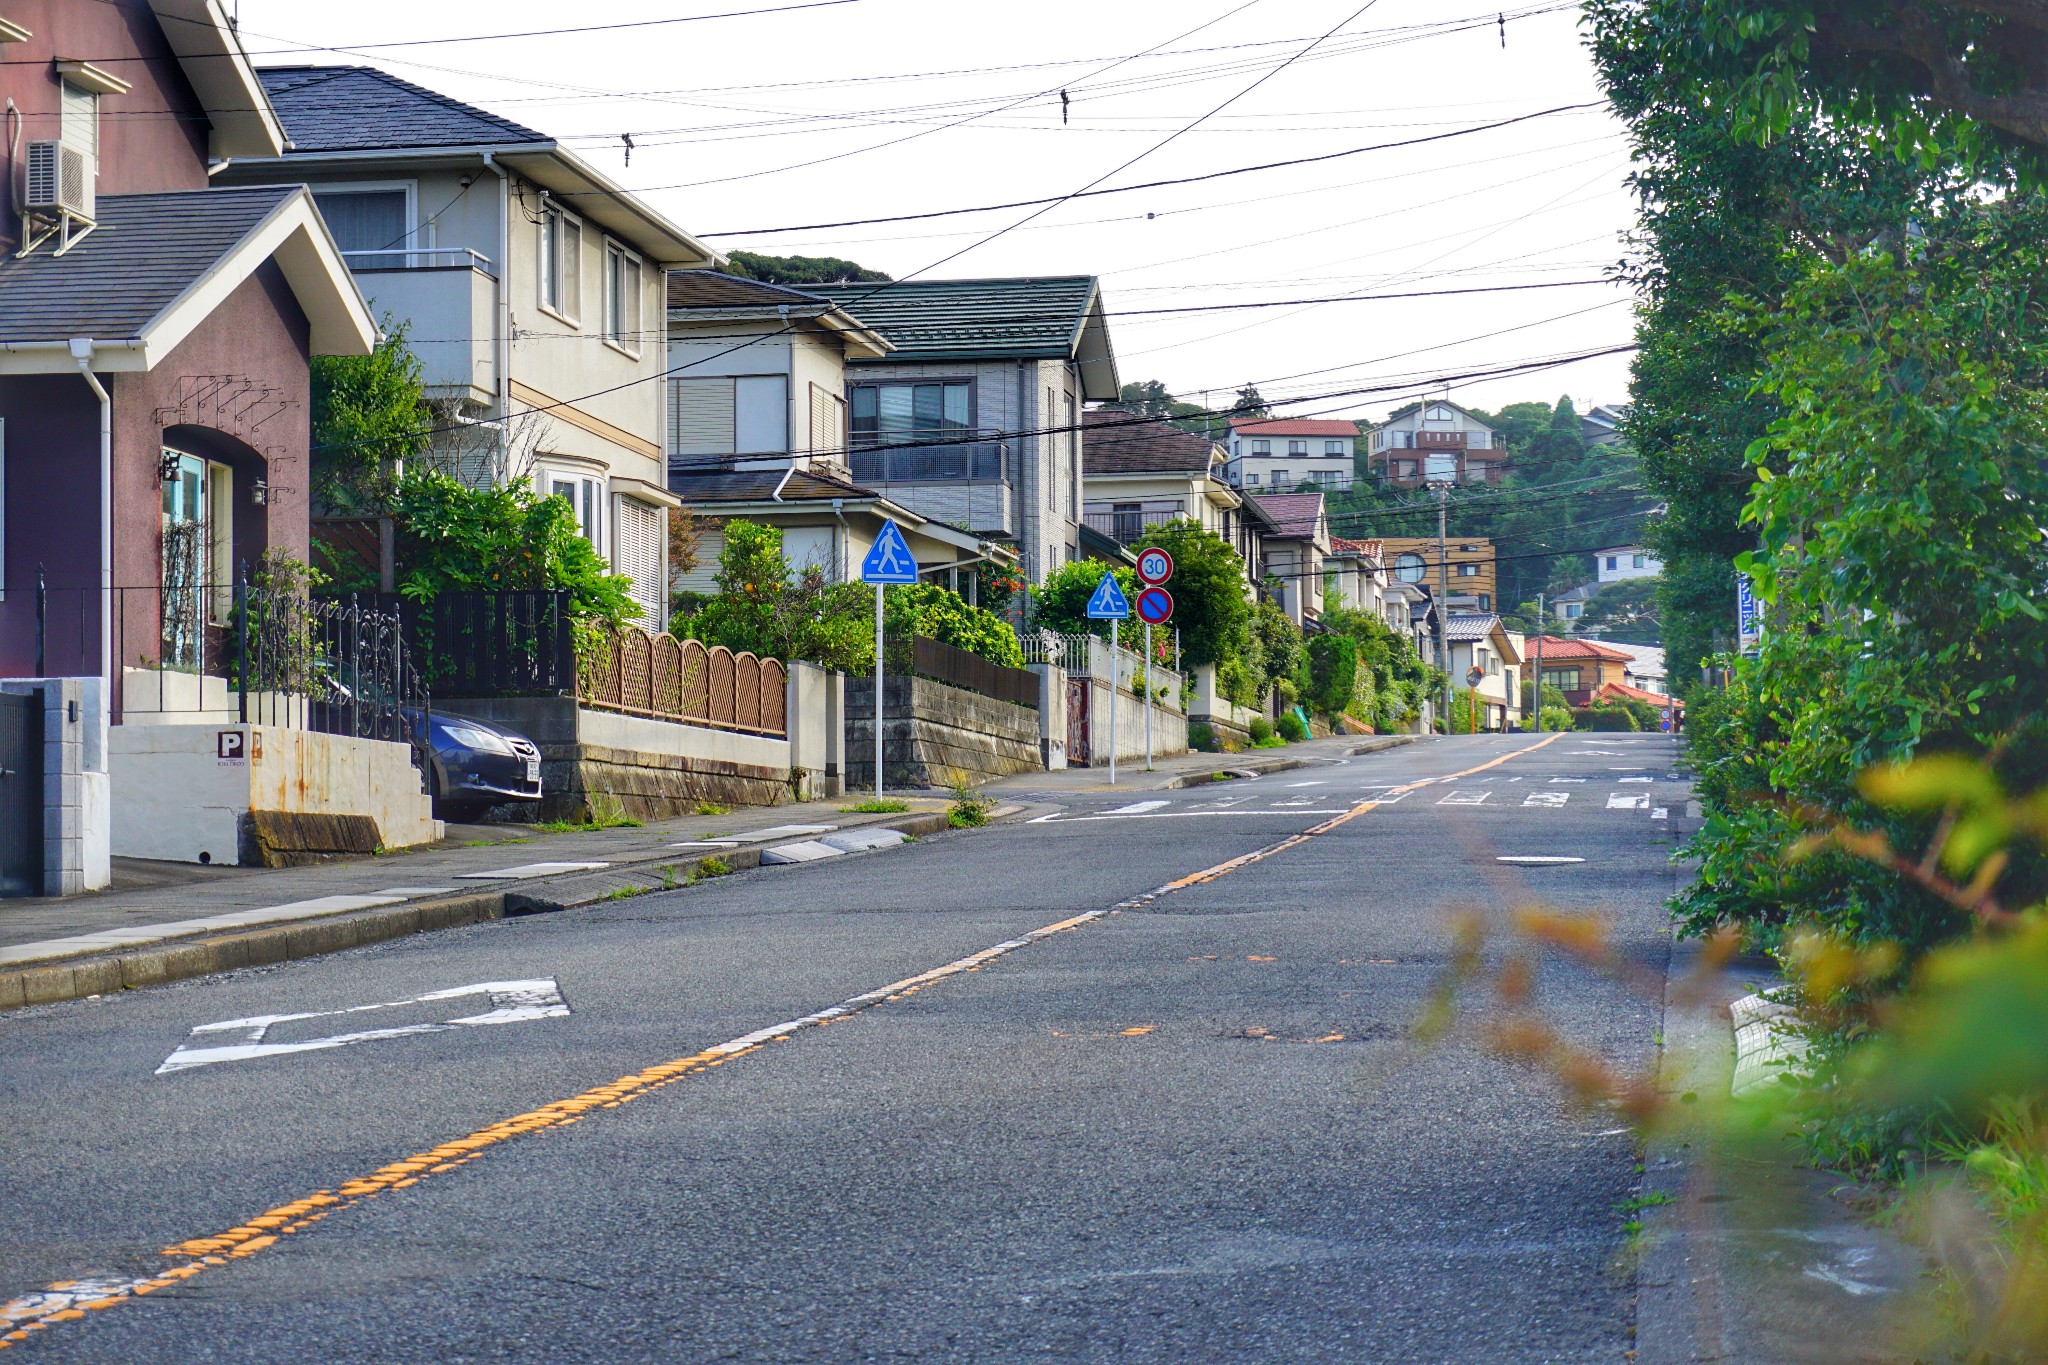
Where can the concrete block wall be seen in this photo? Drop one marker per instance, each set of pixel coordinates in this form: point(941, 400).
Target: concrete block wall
point(74, 758)
point(936, 735)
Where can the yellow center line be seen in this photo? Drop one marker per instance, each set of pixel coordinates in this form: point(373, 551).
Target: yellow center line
point(71, 1300)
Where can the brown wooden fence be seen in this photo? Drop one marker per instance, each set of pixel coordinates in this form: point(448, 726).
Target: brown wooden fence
point(665, 678)
point(950, 664)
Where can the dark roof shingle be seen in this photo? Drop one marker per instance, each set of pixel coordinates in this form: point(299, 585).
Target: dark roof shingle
point(715, 289)
point(1040, 316)
point(760, 485)
point(147, 251)
point(1114, 442)
point(358, 108)
point(1298, 515)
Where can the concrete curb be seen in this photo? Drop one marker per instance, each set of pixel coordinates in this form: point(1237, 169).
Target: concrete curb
point(185, 958)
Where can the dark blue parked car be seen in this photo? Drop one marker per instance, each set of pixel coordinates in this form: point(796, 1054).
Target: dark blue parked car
point(478, 764)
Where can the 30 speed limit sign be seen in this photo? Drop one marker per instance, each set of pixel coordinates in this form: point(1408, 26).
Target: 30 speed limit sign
point(1155, 566)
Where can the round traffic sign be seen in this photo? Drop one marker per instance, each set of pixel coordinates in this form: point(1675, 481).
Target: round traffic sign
point(1155, 566)
point(1155, 606)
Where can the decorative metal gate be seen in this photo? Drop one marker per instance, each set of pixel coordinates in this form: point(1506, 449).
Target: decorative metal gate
point(1078, 691)
point(21, 796)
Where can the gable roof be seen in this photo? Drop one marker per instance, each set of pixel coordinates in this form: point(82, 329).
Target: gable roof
point(711, 293)
point(1292, 426)
point(1043, 317)
point(209, 51)
point(1114, 442)
point(1299, 516)
point(1410, 409)
point(1462, 629)
point(158, 264)
point(1613, 691)
point(1365, 549)
point(354, 108)
point(1555, 649)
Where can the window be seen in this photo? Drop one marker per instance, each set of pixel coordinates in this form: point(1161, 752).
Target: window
point(1404, 440)
point(1571, 610)
point(760, 415)
point(885, 414)
point(78, 121)
point(367, 224)
point(1409, 568)
point(828, 422)
point(1611, 560)
point(1468, 571)
point(1564, 679)
point(1297, 447)
point(1486, 601)
point(1404, 469)
point(561, 263)
point(1439, 413)
point(1251, 479)
point(641, 553)
point(1641, 561)
point(622, 298)
point(1262, 447)
point(1336, 447)
point(1279, 478)
point(582, 494)
point(1326, 478)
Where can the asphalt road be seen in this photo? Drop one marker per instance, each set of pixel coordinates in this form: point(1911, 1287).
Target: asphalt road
point(1193, 1129)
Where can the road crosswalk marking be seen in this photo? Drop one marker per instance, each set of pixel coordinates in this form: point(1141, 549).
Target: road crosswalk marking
point(1628, 801)
point(1555, 780)
point(1136, 808)
point(1464, 798)
point(1551, 799)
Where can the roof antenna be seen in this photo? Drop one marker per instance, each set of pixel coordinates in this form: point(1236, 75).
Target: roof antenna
point(627, 138)
point(1064, 102)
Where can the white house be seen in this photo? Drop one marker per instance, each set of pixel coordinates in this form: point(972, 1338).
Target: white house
point(530, 286)
point(1619, 563)
point(1279, 456)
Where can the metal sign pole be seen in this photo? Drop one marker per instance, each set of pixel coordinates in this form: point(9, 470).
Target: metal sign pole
point(878, 691)
point(1112, 700)
point(1148, 696)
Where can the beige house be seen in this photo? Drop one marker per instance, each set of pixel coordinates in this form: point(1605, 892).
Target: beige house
point(1486, 660)
point(757, 431)
point(1138, 473)
point(530, 286)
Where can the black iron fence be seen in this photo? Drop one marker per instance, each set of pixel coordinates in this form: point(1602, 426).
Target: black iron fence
point(490, 644)
point(965, 462)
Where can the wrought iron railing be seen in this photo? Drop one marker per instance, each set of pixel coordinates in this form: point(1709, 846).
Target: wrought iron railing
point(1126, 527)
point(960, 462)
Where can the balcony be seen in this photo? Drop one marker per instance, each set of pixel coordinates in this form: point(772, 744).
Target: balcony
point(966, 483)
point(447, 298)
point(1128, 527)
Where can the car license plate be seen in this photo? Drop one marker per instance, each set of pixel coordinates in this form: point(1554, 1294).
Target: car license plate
point(533, 770)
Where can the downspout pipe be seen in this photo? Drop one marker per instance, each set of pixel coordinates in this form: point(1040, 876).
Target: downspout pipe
point(503, 346)
point(82, 352)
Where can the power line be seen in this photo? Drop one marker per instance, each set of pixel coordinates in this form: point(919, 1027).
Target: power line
point(1151, 184)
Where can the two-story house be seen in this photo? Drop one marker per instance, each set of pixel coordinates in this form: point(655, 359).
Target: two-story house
point(1485, 660)
point(1578, 668)
point(757, 431)
point(1138, 473)
point(1356, 572)
point(1602, 425)
point(973, 418)
point(530, 286)
point(1620, 563)
point(154, 337)
point(1279, 455)
point(1434, 442)
point(1296, 550)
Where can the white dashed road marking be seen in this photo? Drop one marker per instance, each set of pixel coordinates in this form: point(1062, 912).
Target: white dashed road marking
point(1463, 798)
point(1136, 808)
point(1555, 780)
point(1628, 801)
point(1551, 799)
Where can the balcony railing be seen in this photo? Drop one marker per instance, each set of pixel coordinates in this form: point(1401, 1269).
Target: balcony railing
point(963, 462)
point(418, 258)
point(1126, 527)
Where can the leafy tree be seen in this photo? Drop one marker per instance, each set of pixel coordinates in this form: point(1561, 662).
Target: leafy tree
point(1210, 607)
point(367, 421)
point(1624, 612)
point(1061, 602)
point(798, 271)
point(454, 538)
point(1518, 424)
point(1333, 673)
point(1279, 651)
point(1249, 403)
point(936, 611)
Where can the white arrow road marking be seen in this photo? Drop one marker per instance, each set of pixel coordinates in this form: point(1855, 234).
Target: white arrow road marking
point(1136, 808)
point(512, 1002)
point(1465, 799)
point(1551, 799)
point(1628, 801)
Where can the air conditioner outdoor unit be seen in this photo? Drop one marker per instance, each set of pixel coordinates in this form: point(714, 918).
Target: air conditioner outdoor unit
point(59, 180)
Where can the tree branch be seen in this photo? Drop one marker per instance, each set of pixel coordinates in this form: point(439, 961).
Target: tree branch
point(1914, 36)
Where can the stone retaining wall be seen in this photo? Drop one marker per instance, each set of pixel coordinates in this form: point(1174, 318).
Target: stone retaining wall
point(936, 735)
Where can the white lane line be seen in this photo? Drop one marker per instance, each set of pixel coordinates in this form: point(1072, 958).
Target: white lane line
point(525, 870)
point(1321, 781)
point(1628, 801)
point(512, 1002)
point(1550, 799)
point(1635, 779)
point(1535, 860)
point(1464, 798)
point(1137, 808)
point(1555, 780)
point(1626, 768)
point(1058, 817)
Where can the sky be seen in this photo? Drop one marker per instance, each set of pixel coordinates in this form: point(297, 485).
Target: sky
point(839, 110)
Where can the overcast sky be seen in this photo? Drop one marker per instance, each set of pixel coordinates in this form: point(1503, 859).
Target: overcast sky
point(869, 108)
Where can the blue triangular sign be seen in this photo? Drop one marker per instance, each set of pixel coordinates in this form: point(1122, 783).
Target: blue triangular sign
point(890, 561)
point(1108, 602)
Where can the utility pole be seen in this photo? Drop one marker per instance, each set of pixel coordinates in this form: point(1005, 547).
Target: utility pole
point(1539, 663)
point(1443, 603)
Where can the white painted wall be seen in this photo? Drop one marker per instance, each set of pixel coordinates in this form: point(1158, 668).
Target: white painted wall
point(1619, 563)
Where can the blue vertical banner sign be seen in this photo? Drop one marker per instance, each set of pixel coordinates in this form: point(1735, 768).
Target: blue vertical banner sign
point(1749, 625)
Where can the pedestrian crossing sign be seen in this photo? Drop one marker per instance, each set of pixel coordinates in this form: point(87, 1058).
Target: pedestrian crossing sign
point(890, 561)
point(1108, 602)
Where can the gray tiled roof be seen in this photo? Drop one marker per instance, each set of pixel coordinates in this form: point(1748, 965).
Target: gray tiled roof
point(1298, 515)
point(358, 108)
point(147, 250)
point(1118, 443)
point(715, 289)
point(759, 485)
point(1461, 628)
point(1038, 316)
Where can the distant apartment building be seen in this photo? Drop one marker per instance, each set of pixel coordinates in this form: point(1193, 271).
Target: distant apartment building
point(1469, 564)
point(1619, 563)
point(1279, 456)
point(1435, 442)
